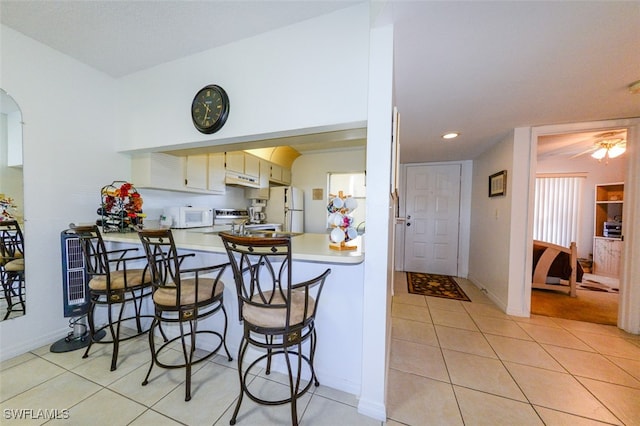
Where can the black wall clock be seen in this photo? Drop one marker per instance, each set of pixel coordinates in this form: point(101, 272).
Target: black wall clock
point(210, 109)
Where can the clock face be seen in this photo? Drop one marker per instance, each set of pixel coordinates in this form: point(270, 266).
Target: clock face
point(210, 109)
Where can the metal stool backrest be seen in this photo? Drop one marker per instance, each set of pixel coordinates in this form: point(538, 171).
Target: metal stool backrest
point(262, 273)
point(11, 241)
point(166, 268)
point(94, 251)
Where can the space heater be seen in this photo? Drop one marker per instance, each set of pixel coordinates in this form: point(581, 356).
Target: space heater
point(75, 287)
point(74, 276)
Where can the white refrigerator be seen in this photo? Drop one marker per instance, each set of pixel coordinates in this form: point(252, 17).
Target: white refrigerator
point(286, 206)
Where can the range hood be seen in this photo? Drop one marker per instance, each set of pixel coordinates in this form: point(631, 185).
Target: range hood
point(240, 179)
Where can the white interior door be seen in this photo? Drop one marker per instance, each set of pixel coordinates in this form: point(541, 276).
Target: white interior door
point(432, 208)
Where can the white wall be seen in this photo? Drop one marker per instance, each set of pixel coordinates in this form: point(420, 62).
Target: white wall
point(308, 75)
point(379, 244)
point(491, 223)
point(68, 110)
point(309, 171)
point(597, 172)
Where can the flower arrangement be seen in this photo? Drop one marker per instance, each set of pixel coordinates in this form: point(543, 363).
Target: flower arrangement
point(121, 207)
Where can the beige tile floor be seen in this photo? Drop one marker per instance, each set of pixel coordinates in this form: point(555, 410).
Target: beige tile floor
point(452, 363)
point(469, 363)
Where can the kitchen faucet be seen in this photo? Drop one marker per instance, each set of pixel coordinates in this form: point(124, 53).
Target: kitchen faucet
point(241, 224)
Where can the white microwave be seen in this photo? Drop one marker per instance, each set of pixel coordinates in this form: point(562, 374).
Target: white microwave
point(189, 217)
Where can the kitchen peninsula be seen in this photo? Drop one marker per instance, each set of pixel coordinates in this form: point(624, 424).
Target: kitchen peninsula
point(340, 313)
point(306, 247)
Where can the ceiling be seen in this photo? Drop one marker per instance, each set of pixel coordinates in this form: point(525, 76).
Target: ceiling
point(479, 68)
point(575, 145)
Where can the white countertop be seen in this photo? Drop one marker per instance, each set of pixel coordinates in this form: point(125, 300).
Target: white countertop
point(306, 247)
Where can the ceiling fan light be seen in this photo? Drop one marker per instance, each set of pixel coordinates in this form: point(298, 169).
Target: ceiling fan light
point(600, 153)
point(616, 151)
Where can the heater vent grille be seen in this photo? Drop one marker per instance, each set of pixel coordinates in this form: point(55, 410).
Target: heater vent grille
point(74, 276)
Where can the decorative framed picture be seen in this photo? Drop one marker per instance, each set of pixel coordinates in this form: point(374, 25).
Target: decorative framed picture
point(498, 184)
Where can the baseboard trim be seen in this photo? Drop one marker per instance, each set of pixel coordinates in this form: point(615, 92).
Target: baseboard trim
point(372, 409)
point(8, 351)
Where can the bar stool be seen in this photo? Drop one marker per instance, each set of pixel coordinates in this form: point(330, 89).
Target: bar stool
point(12, 266)
point(182, 296)
point(115, 285)
point(278, 315)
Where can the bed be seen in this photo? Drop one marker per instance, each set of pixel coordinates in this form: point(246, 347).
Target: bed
point(556, 267)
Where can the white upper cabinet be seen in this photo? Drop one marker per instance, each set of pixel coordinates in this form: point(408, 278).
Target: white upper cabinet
point(241, 162)
point(251, 165)
point(235, 161)
point(286, 176)
point(202, 174)
point(205, 172)
point(280, 175)
point(216, 173)
point(261, 193)
point(196, 175)
point(158, 171)
point(276, 173)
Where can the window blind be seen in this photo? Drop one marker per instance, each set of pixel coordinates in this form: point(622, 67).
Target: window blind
point(557, 209)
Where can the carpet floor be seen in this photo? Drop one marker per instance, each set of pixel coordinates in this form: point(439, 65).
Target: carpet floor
point(435, 285)
point(590, 306)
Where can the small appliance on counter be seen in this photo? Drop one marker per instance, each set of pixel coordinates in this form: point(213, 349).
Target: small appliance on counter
point(256, 211)
point(188, 217)
point(256, 215)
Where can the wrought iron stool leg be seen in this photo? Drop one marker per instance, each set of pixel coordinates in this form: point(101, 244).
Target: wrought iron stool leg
point(154, 323)
point(244, 344)
point(92, 327)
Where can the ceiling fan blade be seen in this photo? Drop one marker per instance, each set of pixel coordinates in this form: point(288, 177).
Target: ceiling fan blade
point(587, 151)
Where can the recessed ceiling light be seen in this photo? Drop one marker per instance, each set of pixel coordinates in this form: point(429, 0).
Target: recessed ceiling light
point(451, 135)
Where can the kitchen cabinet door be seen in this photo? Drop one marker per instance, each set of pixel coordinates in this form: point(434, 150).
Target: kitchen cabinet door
point(216, 173)
point(276, 173)
point(205, 173)
point(196, 171)
point(265, 173)
point(235, 161)
point(261, 193)
point(251, 165)
point(158, 171)
point(286, 176)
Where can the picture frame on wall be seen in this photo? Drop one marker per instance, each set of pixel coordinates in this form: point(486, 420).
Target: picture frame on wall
point(498, 184)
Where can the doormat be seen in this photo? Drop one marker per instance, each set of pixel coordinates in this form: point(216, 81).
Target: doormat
point(435, 285)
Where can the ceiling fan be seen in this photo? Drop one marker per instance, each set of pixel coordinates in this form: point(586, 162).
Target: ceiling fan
point(608, 144)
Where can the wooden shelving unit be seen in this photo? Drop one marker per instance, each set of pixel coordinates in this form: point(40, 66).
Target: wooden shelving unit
point(609, 201)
